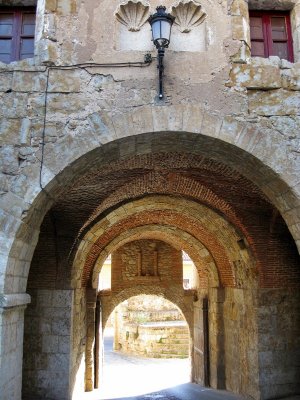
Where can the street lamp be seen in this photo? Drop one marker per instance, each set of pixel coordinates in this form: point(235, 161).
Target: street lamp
point(161, 24)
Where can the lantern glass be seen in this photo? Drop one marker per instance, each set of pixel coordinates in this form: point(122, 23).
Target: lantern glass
point(161, 24)
point(161, 31)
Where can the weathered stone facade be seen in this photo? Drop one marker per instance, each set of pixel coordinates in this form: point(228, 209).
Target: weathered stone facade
point(91, 160)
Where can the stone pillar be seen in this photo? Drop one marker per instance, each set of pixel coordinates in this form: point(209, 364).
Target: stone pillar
point(91, 296)
point(12, 308)
point(197, 354)
point(241, 29)
point(47, 344)
point(295, 17)
point(217, 338)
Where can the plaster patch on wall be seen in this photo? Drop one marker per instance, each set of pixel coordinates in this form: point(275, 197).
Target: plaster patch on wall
point(134, 41)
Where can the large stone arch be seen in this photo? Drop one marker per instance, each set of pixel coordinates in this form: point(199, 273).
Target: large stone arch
point(188, 129)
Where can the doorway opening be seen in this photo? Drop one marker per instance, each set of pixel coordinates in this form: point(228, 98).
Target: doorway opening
point(146, 348)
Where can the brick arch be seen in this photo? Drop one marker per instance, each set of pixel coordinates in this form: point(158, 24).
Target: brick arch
point(201, 257)
point(179, 299)
point(169, 218)
point(171, 183)
point(158, 182)
point(165, 212)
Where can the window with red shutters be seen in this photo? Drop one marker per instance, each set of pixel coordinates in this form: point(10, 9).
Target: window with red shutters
point(271, 35)
point(17, 26)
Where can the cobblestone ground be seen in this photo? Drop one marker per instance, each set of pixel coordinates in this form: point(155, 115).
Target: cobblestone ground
point(129, 377)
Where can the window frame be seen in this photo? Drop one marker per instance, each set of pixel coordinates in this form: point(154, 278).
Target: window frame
point(267, 31)
point(16, 35)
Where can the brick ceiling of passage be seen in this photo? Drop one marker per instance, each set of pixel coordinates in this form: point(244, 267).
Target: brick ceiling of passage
point(79, 202)
point(116, 183)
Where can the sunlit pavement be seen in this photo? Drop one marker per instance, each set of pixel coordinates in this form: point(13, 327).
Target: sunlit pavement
point(149, 379)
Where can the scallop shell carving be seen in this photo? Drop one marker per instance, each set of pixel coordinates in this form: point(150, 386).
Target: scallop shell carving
point(133, 14)
point(188, 14)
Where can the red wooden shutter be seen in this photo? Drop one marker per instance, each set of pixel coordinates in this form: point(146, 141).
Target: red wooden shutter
point(271, 35)
point(17, 26)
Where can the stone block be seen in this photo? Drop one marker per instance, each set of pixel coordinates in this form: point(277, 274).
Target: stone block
point(291, 79)
point(102, 125)
point(239, 7)
point(44, 298)
point(45, 326)
point(6, 81)
point(231, 129)
point(295, 231)
point(211, 125)
point(160, 117)
point(122, 125)
point(50, 5)
point(50, 27)
point(25, 131)
point(62, 298)
point(67, 7)
point(66, 104)
point(58, 362)
point(50, 344)
point(142, 121)
point(275, 102)
point(60, 327)
point(47, 51)
point(64, 345)
point(255, 77)
point(242, 54)
point(36, 105)
point(14, 105)
point(8, 128)
point(64, 81)
point(192, 119)
point(9, 163)
point(29, 82)
point(240, 29)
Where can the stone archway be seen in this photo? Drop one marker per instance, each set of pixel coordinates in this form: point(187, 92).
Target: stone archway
point(179, 129)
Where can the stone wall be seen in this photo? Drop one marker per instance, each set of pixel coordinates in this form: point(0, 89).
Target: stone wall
point(226, 135)
point(240, 342)
point(155, 340)
point(232, 332)
point(11, 344)
point(146, 262)
point(151, 326)
point(47, 344)
point(278, 342)
point(78, 345)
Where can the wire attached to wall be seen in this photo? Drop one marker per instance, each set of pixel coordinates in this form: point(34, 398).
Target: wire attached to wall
point(83, 66)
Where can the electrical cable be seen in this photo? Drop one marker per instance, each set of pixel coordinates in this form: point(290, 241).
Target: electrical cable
point(84, 66)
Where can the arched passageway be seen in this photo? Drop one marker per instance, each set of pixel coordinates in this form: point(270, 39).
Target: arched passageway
point(173, 192)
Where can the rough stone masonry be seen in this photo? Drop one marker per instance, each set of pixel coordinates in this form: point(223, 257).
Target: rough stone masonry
point(92, 161)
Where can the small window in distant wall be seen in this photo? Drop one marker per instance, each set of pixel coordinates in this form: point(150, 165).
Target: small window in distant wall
point(271, 35)
point(17, 27)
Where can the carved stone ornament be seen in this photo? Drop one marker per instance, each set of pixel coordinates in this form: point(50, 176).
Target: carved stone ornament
point(188, 14)
point(133, 14)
